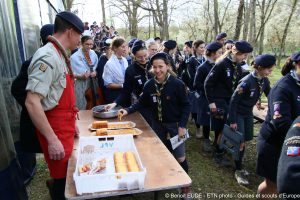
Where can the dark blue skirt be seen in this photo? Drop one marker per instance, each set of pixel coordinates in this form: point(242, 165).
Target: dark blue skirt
point(203, 114)
point(267, 159)
point(194, 99)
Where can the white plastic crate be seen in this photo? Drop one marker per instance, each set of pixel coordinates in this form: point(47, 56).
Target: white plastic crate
point(108, 179)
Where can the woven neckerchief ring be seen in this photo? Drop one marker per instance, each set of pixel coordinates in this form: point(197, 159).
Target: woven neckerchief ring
point(158, 94)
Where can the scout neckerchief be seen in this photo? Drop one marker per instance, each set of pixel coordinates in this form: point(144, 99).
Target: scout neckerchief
point(63, 52)
point(200, 59)
point(158, 94)
point(260, 83)
point(87, 58)
point(234, 75)
point(295, 76)
point(144, 67)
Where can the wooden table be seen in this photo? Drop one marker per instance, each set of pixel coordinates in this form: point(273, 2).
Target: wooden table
point(260, 115)
point(163, 171)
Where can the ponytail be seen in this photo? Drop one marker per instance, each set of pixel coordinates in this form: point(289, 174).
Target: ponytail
point(287, 67)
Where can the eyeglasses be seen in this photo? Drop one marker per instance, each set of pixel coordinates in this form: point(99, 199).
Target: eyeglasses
point(88, 44)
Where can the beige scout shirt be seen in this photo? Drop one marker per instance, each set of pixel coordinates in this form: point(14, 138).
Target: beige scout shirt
point(46, 75)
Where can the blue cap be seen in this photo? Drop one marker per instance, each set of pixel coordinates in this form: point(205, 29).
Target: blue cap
point(46, 30)
point(265, 60)
point(189, 43)
point(170, 44)
point(157, 38)
point(214, 46)
point(296, 57)
point(72, 19)
point(137, 45)
point(160, 55)
point(229, 42)
point(130, 43)
point(243, 46)
point(221, 36)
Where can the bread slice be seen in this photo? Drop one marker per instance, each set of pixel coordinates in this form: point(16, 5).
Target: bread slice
point(99, 124)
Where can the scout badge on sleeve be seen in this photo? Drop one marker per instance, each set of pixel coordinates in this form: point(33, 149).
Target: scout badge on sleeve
point(241, 88)
point(277, 110)
point(43, 67)
point(293, 151)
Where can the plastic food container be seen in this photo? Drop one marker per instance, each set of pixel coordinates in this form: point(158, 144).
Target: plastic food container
point(108, 179)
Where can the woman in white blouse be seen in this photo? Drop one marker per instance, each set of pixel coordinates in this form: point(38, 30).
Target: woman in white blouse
point(114, 70)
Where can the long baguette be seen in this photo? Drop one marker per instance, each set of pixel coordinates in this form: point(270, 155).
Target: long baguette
point(131, 162)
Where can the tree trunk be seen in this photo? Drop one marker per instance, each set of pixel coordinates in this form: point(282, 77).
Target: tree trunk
point(262, 24)
point(103, 11)
point(252, 31)
point(285, 32)
point(246, 21)
point(165, 20)
point(239, 20)
point(154, 26)
point(216, 18)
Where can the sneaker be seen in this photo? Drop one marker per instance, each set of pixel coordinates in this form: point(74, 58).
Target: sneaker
point(207, 146)
point(186, 191)
point(240, 178)
point(221, 160)
point(245, 172)
point(198, 133)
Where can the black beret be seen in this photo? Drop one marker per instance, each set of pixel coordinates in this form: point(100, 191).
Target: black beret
point(296, 57)
point(46, 30)
point(214, 46)
point(137, 45)
point(160, 55)
point(72, 19)
point(229, 42)
point(221, 36)
point(170, 44)
point(130, 43)
point(243, 46)
point(189, 43)
point(157, 38)
point(265, 60)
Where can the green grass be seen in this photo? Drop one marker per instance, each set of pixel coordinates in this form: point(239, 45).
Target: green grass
point(207, 177)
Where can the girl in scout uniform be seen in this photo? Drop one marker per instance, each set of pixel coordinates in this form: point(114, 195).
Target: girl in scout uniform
point(167, 97)
point(283, 108)
point(84, 63)
point(136, 75)
point(114, 70)
point(213, 52)
point(245, 96)
point(188, 77)
point(170, 49)
point(219, 86)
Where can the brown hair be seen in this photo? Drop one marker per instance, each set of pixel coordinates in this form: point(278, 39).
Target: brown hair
point(168, 63)
point(196, 44)
point(287, 67)
point(61, 25)
point(117, 42)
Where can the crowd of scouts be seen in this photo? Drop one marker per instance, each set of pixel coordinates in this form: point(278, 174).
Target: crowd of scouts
point(209, 81)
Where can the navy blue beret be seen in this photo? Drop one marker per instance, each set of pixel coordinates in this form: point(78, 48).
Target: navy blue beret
point(296, 57)
point(46, 30)
point(221, 36)
point(214, 46)
point(157, 38)
point(137, 45)
point(189, 43)
point(265, 60)
point(243, 46)
point(170, 44)
point(160, 55)
point(72, 19)
point(229, 42)
point(130, 43)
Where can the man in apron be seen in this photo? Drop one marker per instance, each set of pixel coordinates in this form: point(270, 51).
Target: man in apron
point(50, 98)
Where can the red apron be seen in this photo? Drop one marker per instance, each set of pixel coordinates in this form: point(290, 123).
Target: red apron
point(62, 120)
